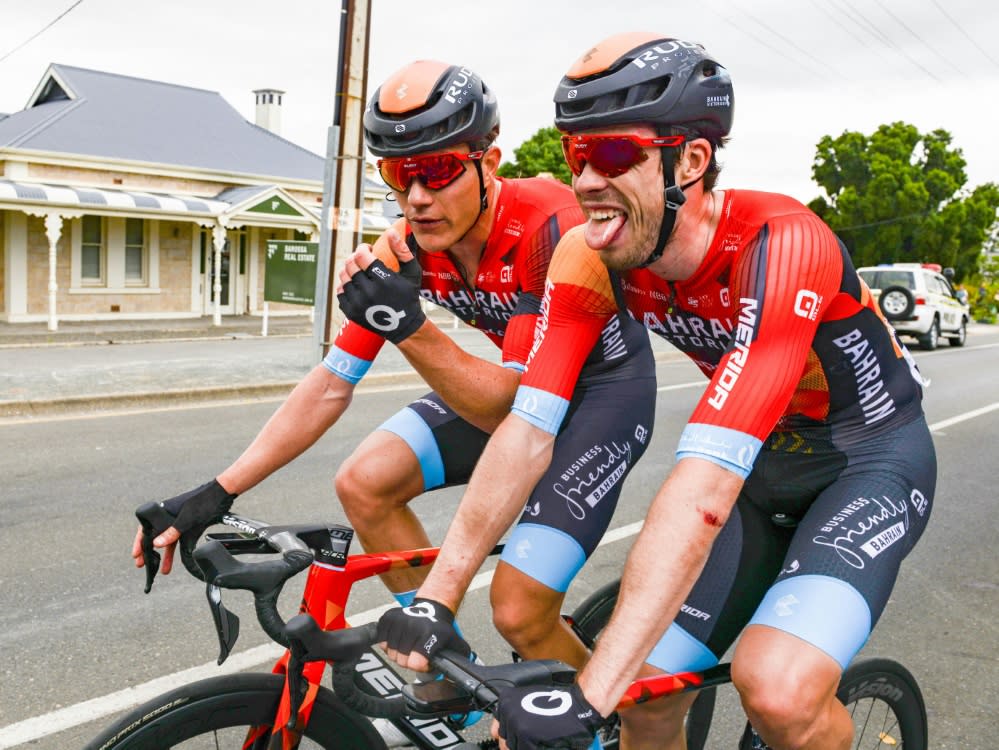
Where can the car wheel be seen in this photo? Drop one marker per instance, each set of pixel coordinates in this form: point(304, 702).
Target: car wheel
point(896, 302)
point(962, 335)
point(929, 340)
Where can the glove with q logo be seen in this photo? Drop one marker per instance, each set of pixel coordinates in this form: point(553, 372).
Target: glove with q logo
point(383, 301)
point(425, 626)
point(546, 716)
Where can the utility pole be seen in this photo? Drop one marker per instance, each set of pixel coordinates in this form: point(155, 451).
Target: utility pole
point(343, 180)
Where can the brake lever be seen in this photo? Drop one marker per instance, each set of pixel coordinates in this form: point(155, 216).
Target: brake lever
point(226, 623)
point(295, 676)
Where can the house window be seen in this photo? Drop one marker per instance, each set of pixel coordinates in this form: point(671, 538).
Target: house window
point(92, 251)
point(135, 252)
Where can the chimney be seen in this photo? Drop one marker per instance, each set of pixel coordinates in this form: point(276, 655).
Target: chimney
point(269, 109)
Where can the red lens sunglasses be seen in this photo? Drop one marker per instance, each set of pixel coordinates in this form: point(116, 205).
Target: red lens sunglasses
point(613, 154)
point(434, 171)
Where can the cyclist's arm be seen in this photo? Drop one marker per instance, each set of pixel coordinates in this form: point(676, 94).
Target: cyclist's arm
point(514, 460)
point(481, 392)
point(672, 548)
point(578, 304)
point(314, 406)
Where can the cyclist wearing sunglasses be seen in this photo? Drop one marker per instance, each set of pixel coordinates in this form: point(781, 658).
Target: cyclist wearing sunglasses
point(479, 246)
point(806, 472)
point(482, 247)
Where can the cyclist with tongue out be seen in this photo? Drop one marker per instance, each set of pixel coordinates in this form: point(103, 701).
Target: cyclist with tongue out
point(806, 472)
point(479, 246)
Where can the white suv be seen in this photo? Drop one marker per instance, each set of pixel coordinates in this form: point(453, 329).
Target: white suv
point(918, 300)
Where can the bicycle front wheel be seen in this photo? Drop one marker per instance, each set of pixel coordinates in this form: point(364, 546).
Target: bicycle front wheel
point(219, 712)
point(886, 704)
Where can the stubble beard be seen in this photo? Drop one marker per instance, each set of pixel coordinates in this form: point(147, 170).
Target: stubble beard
point(632, 256)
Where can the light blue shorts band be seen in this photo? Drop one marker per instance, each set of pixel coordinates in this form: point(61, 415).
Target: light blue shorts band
point(826, 612)
point(419, 437)
point(547, 555)
point(678, 651)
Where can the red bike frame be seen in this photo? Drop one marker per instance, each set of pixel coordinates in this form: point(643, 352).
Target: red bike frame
point(327, 589)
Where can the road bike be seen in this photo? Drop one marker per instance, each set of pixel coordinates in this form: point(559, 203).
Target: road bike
point(290, 708)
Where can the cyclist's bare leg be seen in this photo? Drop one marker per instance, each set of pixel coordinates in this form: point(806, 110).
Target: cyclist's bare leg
point(788, 690)
point(528, 615)
point(375, 485)
point(657, 724)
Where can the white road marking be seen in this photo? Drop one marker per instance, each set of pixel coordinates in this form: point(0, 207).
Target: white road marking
point(944, 424)
point(680, 386)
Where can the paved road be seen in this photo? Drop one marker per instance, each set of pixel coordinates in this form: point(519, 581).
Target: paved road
point(75, 628)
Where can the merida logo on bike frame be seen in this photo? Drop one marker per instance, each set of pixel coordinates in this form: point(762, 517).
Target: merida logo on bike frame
point(741, 339)
point(387, 684)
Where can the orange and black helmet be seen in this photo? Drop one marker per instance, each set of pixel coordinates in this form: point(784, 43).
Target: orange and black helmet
point(646, 78)
point(429, 105)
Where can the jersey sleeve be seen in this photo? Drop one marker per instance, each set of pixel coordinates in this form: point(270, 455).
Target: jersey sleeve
point(355, 348)
point(533, 268)
point(783, 282)
point(578, 301)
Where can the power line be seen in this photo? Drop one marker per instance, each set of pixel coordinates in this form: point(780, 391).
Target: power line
point(916, 36)
point(38, 33)
point(790, 42)
point(879, 35)
point(947, 15)
point(820, 4)
point(775, 50)
point(893, 220)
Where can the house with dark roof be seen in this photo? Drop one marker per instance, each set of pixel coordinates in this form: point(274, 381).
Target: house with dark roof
point(124, 197)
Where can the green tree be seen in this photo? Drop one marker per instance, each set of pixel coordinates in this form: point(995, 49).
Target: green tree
point(900, 196)
point(541, 153)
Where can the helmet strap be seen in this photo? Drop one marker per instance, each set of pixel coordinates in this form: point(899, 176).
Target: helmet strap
point(673, 198)
point(483, 201)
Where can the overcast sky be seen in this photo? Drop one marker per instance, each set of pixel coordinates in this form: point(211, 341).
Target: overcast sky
point(801, 68)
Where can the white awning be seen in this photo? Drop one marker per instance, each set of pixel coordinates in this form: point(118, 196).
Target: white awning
point(25, 193)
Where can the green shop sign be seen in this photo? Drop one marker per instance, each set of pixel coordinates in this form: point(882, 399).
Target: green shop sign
point(290, 272)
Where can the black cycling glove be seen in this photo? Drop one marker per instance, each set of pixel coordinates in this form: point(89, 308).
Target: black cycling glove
point(383, 301)
point(546, 716)
point(425, 626)
point(200, 507)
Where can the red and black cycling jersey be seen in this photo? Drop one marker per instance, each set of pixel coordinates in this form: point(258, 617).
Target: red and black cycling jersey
point(504, 298)
point(775, 315)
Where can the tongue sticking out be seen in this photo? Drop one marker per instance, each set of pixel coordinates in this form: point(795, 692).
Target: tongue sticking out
point(600, 232)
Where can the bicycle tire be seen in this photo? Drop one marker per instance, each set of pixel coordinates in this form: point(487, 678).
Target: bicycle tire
point(886, 704)
point(590, 618)
point(190, 716)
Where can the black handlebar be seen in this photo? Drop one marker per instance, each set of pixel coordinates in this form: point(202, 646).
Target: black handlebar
point(214, 563)
point(469, 687)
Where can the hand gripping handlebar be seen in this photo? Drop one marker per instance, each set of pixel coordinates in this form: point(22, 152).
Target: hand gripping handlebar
point(214, 563)
point(469, 687)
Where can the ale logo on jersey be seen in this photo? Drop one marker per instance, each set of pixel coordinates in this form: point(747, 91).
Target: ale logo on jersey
point(806, 304)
